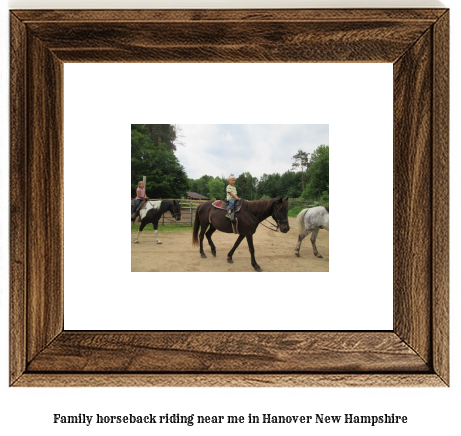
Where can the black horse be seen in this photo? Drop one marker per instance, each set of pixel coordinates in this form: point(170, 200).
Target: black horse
point(152, 213)
point(249, 217)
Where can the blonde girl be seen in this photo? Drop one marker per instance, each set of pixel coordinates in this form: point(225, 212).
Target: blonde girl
point(140, 196)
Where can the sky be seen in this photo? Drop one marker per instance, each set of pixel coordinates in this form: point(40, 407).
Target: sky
point(224, 149)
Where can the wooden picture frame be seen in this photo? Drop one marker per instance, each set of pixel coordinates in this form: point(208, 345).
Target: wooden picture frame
point(414, 353)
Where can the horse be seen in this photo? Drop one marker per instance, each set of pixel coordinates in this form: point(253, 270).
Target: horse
point(249, 217)
point(152, 212)
point(312, 220)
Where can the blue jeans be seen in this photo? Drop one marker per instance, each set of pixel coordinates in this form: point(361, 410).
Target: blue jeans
point(231, 204)
point(135, 206)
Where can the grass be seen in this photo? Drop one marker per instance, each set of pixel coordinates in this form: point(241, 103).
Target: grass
point(297, 206)
point(294, 212)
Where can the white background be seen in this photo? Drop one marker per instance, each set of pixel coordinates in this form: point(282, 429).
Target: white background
point(354, 99)
point(429, 410)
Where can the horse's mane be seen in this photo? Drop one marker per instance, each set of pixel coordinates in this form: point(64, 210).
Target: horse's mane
point(166, 204)
point(258, 206)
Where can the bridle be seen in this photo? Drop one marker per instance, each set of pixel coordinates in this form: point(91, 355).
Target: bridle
point(175, 214)
point(276, 219)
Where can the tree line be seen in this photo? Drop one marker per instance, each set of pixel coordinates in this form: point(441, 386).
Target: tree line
point(310, 183)
point(152, 155)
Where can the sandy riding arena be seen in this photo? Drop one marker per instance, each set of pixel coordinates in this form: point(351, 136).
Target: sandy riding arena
point(274, 252)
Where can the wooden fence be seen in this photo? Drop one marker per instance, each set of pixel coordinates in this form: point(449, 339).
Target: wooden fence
point(188, 210)
point(189, 207)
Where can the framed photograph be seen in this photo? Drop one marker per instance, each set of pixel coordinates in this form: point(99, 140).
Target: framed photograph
point(415, 352)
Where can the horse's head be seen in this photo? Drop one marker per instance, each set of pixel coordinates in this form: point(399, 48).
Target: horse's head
point(175, 210)
point(280, 214)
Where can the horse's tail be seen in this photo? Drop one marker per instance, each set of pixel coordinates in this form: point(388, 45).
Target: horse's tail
point(195, 240)
point(300, 220)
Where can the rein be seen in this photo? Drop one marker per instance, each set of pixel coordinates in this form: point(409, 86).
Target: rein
point(276, 226)
point(275, 218)
point(173, 212)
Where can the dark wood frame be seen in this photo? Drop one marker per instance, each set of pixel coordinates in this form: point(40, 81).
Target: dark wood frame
point(414, 353)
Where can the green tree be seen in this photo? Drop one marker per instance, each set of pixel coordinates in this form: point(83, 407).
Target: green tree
point(165, 176)
point(225, 181)
point(290, 184)
point(201, 185)
point(262, 185)
point(318, 173)
point(216, 188)
point(163, 134)
point(247, 185)
point(268, 185)
point(192, 185)
point(301, 161)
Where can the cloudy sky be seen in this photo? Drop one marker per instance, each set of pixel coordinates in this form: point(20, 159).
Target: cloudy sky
point(223, 149)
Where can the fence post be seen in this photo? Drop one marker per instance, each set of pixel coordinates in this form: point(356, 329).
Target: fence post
point(190, 207)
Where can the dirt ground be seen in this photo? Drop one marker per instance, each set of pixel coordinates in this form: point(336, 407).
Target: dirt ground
point(274, 252)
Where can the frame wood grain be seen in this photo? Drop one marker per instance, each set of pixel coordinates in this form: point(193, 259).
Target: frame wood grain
point(414, 353)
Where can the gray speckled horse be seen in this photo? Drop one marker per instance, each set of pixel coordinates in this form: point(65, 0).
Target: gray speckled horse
point(312, 220)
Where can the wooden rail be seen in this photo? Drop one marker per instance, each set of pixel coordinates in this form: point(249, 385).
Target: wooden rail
point(189, 207)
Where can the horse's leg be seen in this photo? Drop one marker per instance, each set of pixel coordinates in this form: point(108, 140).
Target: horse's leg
point(155, 224)
point(201, 236)
point(141, 227)
point(237, 243)
point(208, 234)
point(301, 236)
point(252, 252)
point(313, 239)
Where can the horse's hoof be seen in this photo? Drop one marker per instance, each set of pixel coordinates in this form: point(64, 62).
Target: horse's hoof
point(159, 242)
point(229, 260)
point(203, 256)
point(213, 253)
point(258, 268)
point(297, 254)
point(136, 242)
point(319, 256)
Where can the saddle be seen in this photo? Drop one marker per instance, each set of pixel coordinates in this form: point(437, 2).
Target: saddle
point(142, 205)
point(223, 204)
point(135, 214)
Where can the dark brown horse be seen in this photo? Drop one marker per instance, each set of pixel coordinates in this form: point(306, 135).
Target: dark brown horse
point(249, 217)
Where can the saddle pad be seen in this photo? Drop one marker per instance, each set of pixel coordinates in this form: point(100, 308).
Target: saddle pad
point(154, 203)
point(218, 204)
point(148, 205)
point(223, 205)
